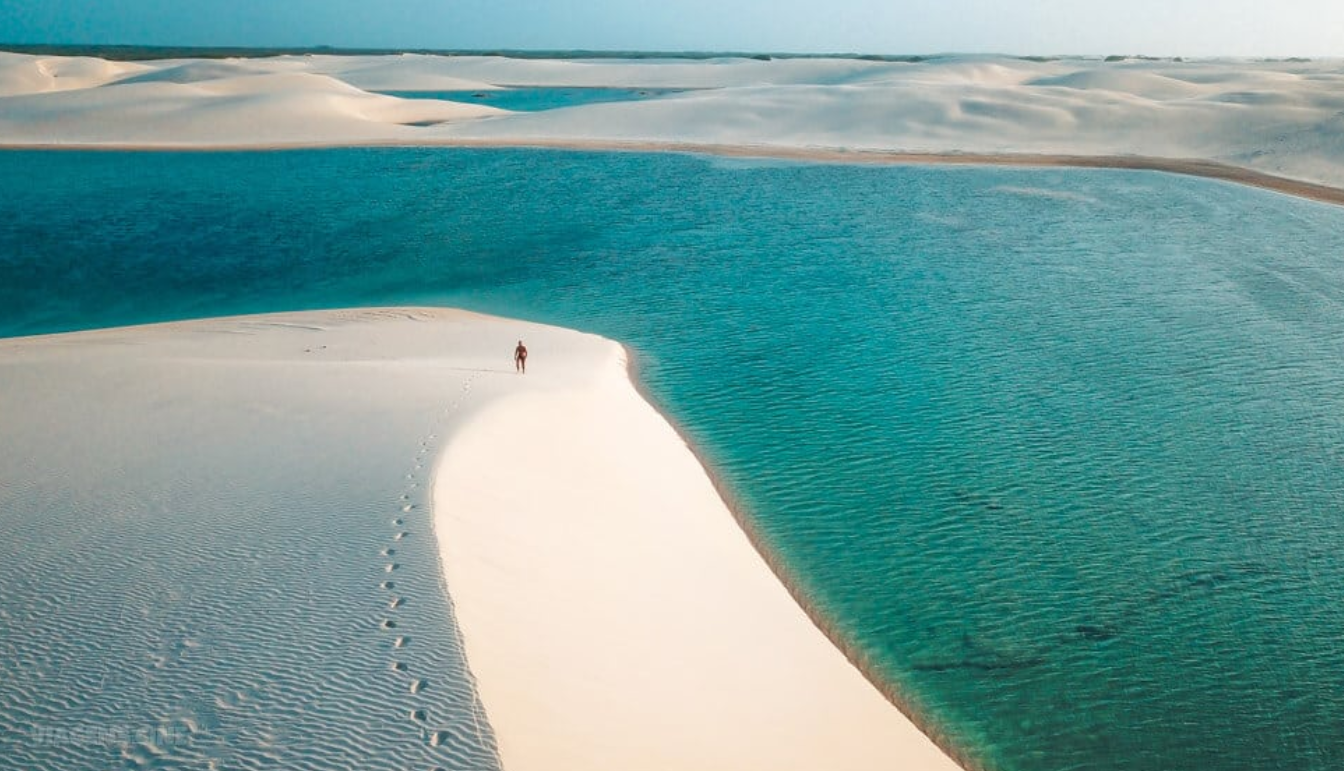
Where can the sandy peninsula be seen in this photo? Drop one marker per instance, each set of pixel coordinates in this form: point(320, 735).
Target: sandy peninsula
point(612, 613)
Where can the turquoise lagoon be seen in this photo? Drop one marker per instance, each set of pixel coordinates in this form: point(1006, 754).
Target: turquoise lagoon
point(539, 98)
point(1060, 453)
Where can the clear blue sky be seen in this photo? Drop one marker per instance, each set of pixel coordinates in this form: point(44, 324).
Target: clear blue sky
point(1156, 27)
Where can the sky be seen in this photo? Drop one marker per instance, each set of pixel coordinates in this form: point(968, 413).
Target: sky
point(1268, 28)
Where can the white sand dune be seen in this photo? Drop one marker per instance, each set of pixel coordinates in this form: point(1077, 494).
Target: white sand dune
point(201, 71)
point(198, 533)
point(1280, 118)
point(1279, 122)
point(661, 73)
point(614, 615)
point(36, 74)
point(1147, 85)
point(211, 106)
point(407, 72)
point(612, 611)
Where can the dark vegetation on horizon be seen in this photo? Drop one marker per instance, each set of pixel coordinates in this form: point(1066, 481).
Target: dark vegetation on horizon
point(130, 53)
point(142, 53)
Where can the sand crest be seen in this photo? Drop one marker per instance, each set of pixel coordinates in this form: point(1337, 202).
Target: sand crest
point(613, 614)
point(1278, 118)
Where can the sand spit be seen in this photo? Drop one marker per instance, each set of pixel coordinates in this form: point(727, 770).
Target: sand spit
point(1279, 118)
point(255, 489)
point(1188, 167)
point(614, 613)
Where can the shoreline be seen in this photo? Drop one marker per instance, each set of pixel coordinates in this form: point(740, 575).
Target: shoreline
point(736, 673)
point(787, 578)
point(647, 593)
point(1190, 167)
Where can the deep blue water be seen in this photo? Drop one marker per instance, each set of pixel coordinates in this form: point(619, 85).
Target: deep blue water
point(538, 98)
point(1058, 451)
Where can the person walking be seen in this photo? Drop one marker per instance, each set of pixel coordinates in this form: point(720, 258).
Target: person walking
point(520, 358)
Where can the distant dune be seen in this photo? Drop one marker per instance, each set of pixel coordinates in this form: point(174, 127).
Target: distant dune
point(613, 614)
point(1283, 118)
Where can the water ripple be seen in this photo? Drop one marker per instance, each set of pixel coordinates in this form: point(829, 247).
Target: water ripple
point(1064, 469)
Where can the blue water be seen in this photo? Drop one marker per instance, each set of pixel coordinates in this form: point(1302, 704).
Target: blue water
point(1057, 451)
point(538, 98)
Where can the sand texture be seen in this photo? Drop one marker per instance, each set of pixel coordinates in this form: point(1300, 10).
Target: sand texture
point(617, 617)
point(1275, 118)
point(220, 531)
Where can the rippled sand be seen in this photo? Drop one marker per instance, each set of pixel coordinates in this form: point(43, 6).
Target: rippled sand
point(217, 547)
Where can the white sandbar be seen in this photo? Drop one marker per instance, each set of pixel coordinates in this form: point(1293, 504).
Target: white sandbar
point(616, 616)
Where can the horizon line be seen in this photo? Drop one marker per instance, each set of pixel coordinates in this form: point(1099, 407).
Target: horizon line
point(143, 52)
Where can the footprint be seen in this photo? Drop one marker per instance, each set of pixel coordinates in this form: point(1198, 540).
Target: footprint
point(401, 642)
point(397, 521)
point(419, 685)
point(402, 535)
point(391, 566)
point(388, 585)
point(397, 603)
point(142, 756)
point(419, 715)
point(389, 624)
point(235, 699)
point(439, 737)
point(408, 507)
point(388, 552)
point(401, 666)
